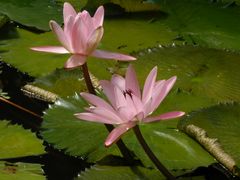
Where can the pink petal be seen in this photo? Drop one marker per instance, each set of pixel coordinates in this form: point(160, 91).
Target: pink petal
point(140, 116)
point(78, 37)
point(51, 49)
point(162, 92)
point(119, 98)
point(88, 23)
point(165, 116)
point(147, 108)
point(111, 55)
point(68, 10)
point(92, 118)
point(108, 91)
point(149, 85)
point(129, 108)
point(60, 34)
point(132, 82)
point(75, 61)
point(105, 113)
point(68, 29)
point(116, 133)
point(125, 114)
point(94, 40)
point(99, 17)
point(118, 81)
point(151, 105)
point(96, 101)
point(137, 104)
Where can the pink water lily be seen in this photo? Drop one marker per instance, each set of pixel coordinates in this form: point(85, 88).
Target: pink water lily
point(127, 106)
point(80, 37)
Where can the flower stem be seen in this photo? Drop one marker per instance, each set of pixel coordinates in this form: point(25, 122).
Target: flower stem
point(150, 154)
point(88, 79)
point(122, 147)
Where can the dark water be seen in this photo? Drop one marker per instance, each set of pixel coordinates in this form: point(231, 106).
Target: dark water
point(56, 164)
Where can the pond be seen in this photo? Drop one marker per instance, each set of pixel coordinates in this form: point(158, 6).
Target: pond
point(163, 80)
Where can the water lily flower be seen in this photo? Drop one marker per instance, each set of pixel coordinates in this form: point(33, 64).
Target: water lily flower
point(80, 37)
point(127, 106)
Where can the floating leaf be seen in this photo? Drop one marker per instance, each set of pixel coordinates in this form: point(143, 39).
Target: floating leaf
point(62, 82)
point(128, 6)
point(20, 171)
point(137, 5)
point(165, 140)
point(202, 72)
point(75, 3)
point(15, 48)
point(85, 139)
point(221, 122)
point(120, 172)
point(18, 142)
point(32, 13)
point(64, 131)
point(212, 25)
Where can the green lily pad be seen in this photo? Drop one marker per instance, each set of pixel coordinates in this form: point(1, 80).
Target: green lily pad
point(21, 171)
point(15, 48)
point(75, 3)
point(120, 172)
point(165, 140)
point(59, 117)
point(128, 6)
point(85, 139)
point(32, 13)
point(121, 35)
point(201, 71)
point(63, 83)
point(221, 122)
point(208, 24)
point(18, 142)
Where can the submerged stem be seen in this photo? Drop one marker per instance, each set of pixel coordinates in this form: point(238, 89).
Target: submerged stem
point(122, 147)
point(151, 155)
point(19, 107)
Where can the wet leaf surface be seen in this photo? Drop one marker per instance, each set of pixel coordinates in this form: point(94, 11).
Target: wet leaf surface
point(85, 139)
point(18, 142)
point(32, 13)
point(20, 171)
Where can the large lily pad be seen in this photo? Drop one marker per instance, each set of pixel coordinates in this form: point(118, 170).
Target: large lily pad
point(62, 82)
point(221, 122)
point(18, 142)
point(128, 6)
point(201, 71)
point(75, 3)
point(21, 171)
point(85, 139)
point(201, 22)
point(15, 48)
point(32, 13)
point(59, 118)
point(172, 147)
point(119, 172)
point(121, 35)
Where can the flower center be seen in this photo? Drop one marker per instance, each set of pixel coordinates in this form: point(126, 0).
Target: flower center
point(128, 92)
